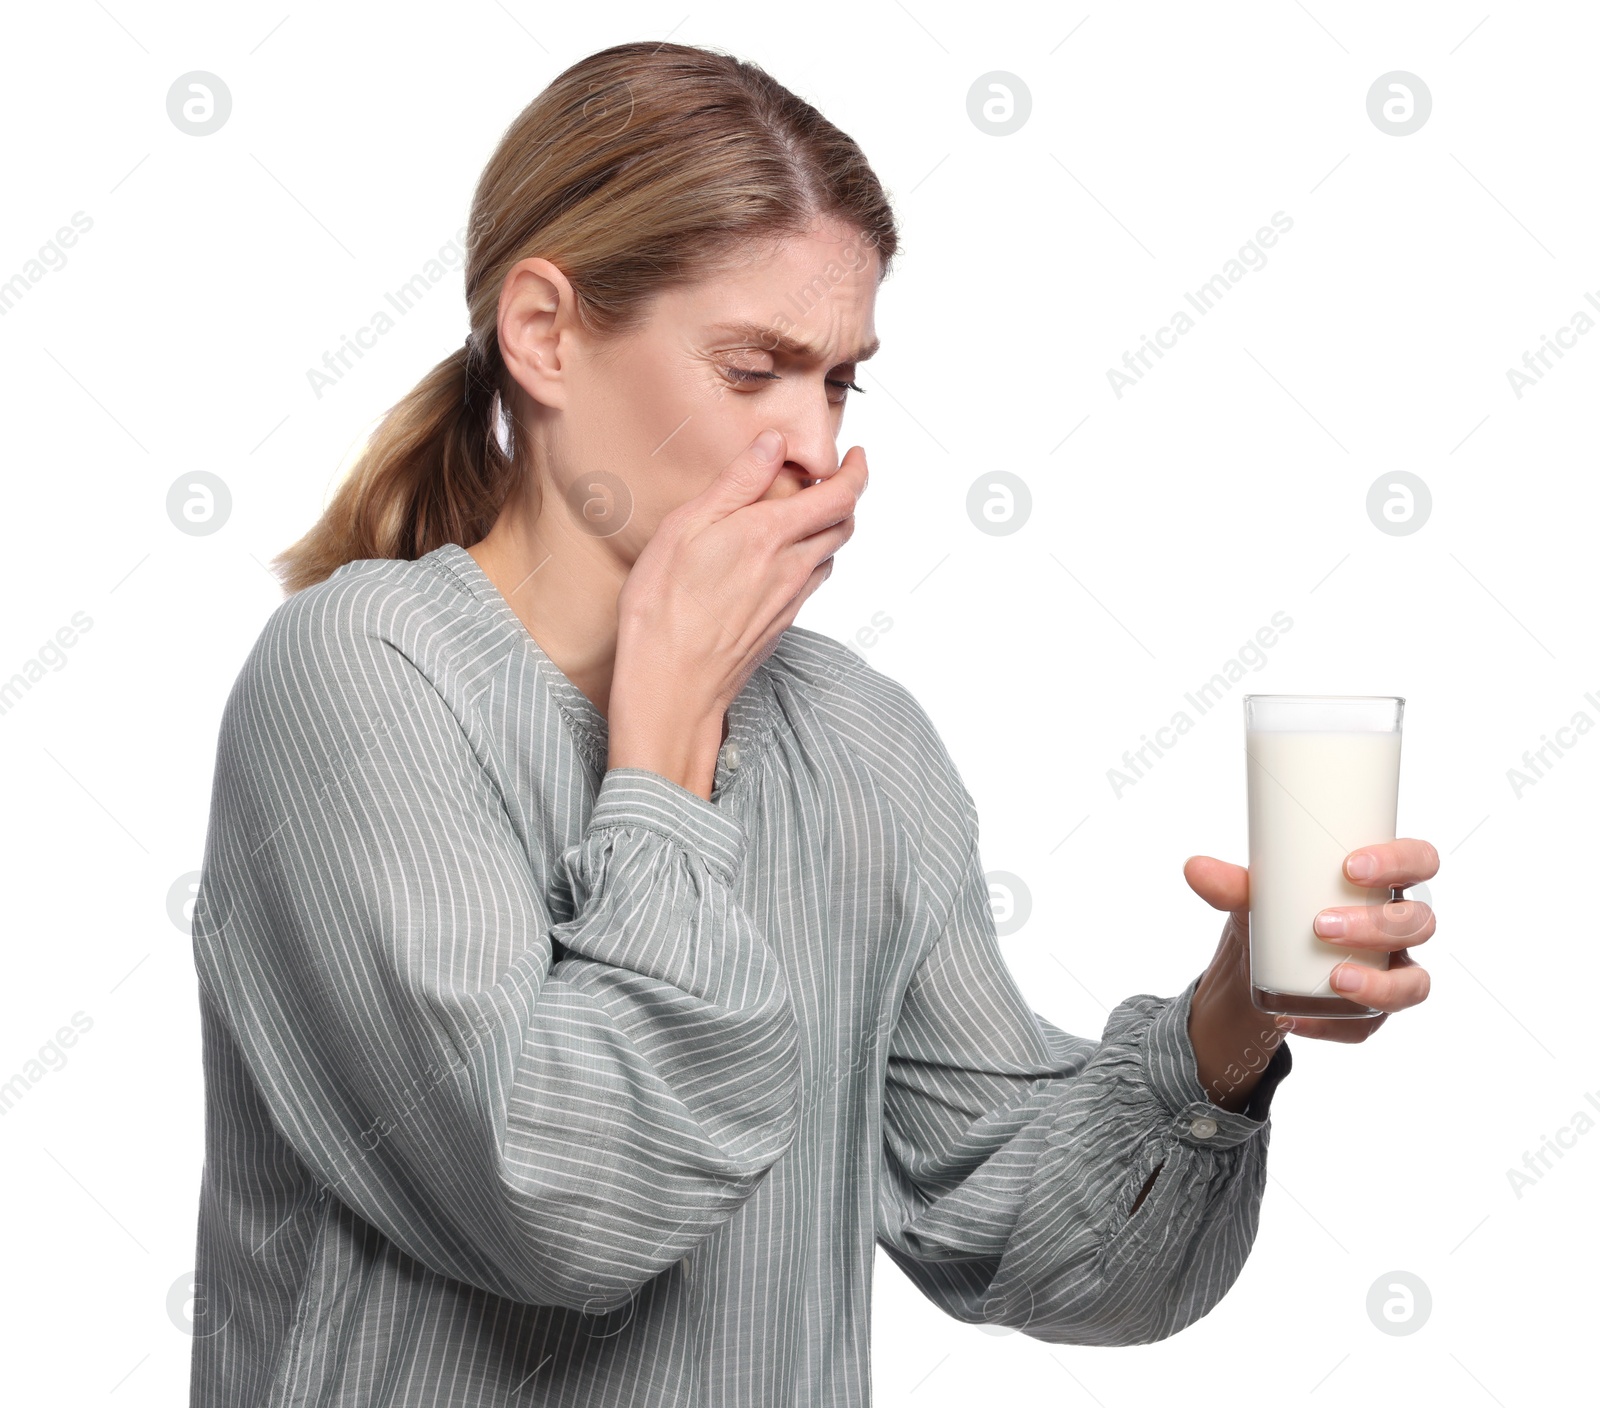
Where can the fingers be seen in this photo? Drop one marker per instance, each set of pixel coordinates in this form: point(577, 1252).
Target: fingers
point(749, 474)
point(1388, 925)
point(1393, 863)
point(1404, 985)
point(828, 502)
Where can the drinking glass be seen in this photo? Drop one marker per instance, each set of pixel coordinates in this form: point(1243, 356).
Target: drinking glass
point(1323, 774)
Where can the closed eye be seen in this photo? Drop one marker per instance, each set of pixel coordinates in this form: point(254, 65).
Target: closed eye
point(744, 374)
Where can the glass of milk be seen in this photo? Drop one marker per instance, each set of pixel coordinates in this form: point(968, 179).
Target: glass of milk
point(1324, 780)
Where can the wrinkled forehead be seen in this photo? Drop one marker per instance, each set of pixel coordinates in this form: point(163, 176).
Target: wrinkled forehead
point(809, 298)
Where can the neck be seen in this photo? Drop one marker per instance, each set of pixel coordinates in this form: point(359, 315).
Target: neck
point(563, 586)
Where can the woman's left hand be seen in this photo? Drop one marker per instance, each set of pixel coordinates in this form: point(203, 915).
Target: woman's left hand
point(1380, 926)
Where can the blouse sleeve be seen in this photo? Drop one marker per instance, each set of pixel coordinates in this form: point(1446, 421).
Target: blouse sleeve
point(555, 1126)
point(1013, 1152)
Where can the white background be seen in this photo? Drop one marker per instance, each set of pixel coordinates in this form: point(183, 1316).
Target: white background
point(1166, 527)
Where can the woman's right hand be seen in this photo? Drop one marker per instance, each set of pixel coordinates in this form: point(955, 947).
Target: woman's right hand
point(722, 577)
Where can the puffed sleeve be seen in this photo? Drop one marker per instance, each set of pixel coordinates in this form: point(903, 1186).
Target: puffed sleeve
point(554, 1126)
point(1013, 1151)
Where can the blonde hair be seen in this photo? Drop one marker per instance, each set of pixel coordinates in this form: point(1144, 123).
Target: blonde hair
point(641, 167)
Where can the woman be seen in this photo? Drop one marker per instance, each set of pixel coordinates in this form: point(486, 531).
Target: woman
point(595, 966)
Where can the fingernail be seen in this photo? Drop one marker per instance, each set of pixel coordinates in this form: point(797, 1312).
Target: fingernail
point(1363, 866)
point(766, 444)
point(1347, 977)
point(1330, 924)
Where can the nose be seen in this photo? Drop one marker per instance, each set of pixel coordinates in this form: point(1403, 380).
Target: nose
point(810, 427)
point(806, 464)
point(801, 474)
point(812, 456)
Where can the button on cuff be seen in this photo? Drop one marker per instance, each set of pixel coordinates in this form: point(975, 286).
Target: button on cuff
point(1174, 1080)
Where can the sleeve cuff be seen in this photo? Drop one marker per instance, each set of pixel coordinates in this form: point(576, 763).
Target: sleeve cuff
point(639, 797)
point(1173, 1072)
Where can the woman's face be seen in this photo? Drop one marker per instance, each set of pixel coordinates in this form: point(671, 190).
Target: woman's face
point(632, 428)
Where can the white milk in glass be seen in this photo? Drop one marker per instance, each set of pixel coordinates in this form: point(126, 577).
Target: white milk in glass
point(1314, 797)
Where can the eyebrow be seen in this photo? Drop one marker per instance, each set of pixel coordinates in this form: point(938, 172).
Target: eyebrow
point(773, 341)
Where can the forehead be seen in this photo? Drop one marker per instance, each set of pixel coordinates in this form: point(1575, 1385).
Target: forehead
point(808, 295)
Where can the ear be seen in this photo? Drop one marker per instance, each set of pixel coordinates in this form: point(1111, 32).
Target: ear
point(537, 329)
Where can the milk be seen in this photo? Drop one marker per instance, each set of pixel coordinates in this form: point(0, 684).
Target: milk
point(1314, 797)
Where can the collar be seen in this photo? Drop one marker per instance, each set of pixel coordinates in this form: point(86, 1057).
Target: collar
point(752, 717)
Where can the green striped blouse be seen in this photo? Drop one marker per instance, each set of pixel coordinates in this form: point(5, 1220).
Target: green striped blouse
point(529, 1082)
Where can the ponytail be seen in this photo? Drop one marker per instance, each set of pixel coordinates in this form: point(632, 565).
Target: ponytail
point(434, 472)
